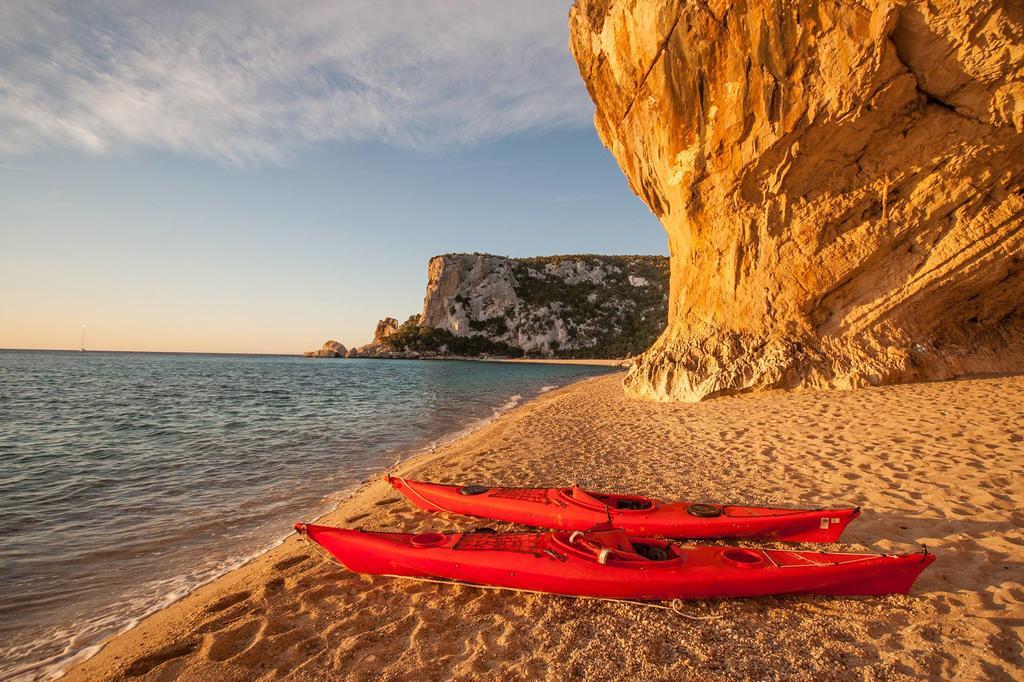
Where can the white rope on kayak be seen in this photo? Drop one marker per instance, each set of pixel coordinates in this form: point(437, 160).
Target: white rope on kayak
point(675, 606)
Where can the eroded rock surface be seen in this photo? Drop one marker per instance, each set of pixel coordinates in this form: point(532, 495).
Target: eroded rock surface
point(842, 184)
point(330, 349)
point(384, 329)
point(376, 348)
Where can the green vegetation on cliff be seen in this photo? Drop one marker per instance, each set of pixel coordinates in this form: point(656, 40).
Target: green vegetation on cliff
point(412, 336)
point(620, 314)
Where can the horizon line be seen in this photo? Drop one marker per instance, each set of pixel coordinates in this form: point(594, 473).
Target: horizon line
point(161, 352)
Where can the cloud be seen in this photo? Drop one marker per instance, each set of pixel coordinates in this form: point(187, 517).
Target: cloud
point(254, 82)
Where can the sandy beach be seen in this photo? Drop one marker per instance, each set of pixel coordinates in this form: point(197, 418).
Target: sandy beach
point(940, 464)
point(596, 362)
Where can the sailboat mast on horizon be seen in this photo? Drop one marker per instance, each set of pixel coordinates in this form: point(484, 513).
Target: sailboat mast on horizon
point(82, 347)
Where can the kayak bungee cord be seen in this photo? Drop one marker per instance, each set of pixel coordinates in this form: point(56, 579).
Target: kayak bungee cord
point(675, 606)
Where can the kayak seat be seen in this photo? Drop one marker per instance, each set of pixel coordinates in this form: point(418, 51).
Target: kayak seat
point(613, 539)
point(635, 505)
point(652, 552)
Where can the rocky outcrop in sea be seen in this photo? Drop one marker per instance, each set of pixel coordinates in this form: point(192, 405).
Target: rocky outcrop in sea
point(330, 349)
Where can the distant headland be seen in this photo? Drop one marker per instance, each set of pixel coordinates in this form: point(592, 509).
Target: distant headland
point(481, 305)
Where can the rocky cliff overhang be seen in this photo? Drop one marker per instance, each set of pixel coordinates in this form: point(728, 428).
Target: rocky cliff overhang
point(842, 184)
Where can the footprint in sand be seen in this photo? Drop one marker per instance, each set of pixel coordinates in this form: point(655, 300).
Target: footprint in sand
point(272, 587)
point(144, 665)
point(227, 602)
point(233, 642)
point(288, 563)
point(321, 593)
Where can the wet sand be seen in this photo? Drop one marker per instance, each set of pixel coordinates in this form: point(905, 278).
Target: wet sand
point(940, 464)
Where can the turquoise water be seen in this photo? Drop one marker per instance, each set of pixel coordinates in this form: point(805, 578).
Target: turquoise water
point(127, 479)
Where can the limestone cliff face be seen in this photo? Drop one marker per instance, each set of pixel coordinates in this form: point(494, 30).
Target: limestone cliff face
point(384, 329)
point(485, 282)
point(842, 184)
point(602, 306)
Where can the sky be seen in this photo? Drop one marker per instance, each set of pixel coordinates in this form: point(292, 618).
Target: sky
point(258, 177)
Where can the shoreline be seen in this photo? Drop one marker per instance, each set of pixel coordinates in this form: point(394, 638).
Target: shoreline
point(287, 611)
point(374, 487)
point(425, 452)
point(594, 362)
point(622, 363)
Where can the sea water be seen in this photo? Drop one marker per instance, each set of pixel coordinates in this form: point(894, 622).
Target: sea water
point(128, 479)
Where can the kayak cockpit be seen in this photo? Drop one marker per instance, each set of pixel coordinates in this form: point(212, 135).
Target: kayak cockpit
point(616, 548)
point(622, 503)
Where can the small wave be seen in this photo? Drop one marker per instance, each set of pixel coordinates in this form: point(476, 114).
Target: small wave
point(85, 639)
point(545, 389)
point(508, 405)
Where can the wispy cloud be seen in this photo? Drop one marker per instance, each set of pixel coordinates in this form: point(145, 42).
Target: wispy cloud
point(253, 82)
point(17, 169)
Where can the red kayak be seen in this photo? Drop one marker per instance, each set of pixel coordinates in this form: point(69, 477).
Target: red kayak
point(576, 509)
point(611, 564)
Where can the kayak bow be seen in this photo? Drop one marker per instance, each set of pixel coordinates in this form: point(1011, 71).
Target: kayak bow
point(573, 508)
point(611, 564)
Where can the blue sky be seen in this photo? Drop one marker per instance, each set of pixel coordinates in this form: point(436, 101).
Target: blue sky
point(180, 177)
